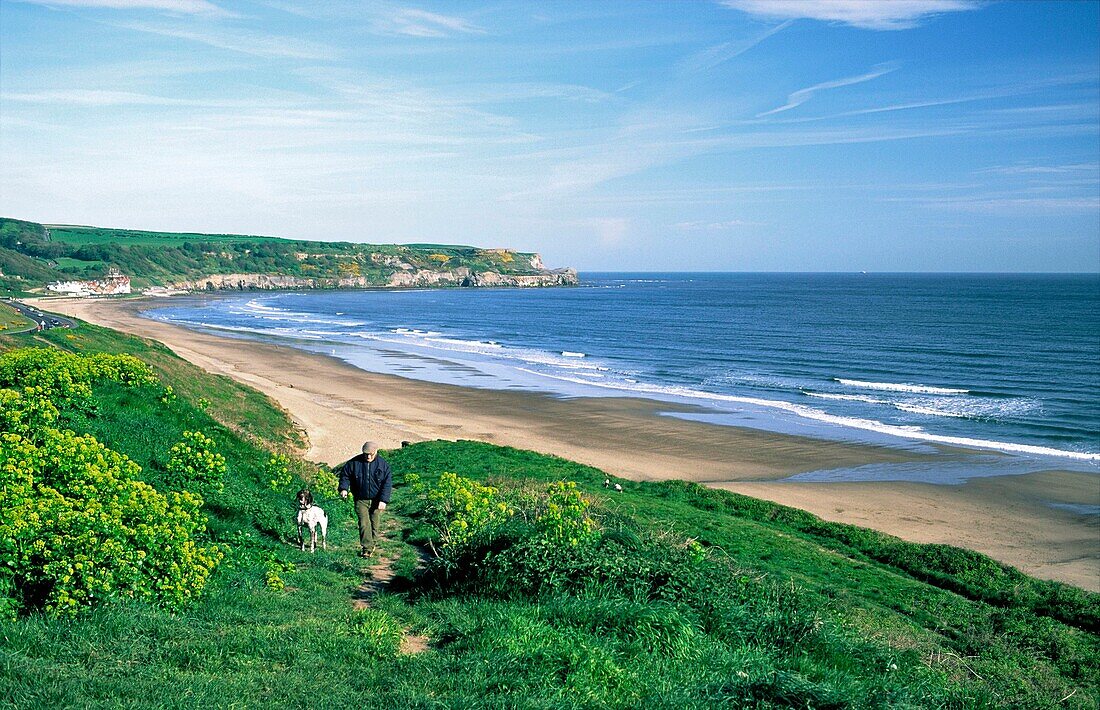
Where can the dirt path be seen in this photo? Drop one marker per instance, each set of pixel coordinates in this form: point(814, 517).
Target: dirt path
point(379, 576)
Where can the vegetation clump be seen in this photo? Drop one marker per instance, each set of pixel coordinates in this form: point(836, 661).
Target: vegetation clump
point(66, 378)
point(77, 524)
point(193, 463)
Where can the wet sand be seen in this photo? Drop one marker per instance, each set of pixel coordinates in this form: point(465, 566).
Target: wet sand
point(339, 406)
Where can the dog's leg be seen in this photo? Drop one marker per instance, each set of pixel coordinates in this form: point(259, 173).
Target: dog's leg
point(313, 538)
point(324, 533)
point(301, 538)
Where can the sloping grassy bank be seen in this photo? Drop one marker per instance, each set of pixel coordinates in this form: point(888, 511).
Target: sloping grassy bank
point(534, 593)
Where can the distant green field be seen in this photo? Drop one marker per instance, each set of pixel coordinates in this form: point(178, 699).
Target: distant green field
point(72, 234)
point(79, 236)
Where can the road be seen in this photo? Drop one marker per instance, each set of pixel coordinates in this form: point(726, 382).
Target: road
point(44, 319)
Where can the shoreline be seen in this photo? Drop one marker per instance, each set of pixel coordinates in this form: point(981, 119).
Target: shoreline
point(338, 405)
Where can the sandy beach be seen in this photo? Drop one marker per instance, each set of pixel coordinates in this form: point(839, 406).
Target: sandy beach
point(1011, 518)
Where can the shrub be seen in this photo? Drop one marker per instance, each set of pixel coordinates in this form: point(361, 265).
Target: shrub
point(561, 516)
point(27, 412)
point(277, 471)
point(324, 483)
point(274, 569)
point(77, 528)
point(65, 378)
point(193, 463)
point(463, 511)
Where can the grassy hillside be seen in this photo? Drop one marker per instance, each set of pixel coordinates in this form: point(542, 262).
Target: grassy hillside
point(32, 255)
point(529, 592)
point(12, 320)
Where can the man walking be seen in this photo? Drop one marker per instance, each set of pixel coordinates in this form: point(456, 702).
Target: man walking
point(368, 478)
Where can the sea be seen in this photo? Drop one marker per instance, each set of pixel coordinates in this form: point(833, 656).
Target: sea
point(993, 374)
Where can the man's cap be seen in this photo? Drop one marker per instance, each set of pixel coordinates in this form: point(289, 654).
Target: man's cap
point(370, 447)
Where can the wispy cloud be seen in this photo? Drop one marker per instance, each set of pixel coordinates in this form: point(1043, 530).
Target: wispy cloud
point(803, 95)
point(183, 7)
point(253, 43)
point(94, 97)
point(519, 91)
point(723, 226)
point(867, 14)
point(1009, 204)
point(721, 53)
point(421, 23)
point(1072, 169)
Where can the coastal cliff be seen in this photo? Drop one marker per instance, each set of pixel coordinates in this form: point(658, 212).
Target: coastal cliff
point(33, 255)
point(461, 277)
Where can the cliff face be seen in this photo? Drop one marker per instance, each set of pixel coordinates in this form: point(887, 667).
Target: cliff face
point(399, 279)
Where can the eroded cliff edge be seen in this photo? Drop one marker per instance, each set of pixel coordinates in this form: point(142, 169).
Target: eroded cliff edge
point(461, 277)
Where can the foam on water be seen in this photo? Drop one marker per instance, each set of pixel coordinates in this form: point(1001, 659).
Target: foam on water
point(846, 397)
point(902, 431)
point(954, 406)
point(900, 387)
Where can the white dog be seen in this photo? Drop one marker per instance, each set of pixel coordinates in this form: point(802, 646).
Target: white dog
point(311, 515)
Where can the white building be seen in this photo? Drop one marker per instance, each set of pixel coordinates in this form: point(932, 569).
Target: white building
point(113, 284)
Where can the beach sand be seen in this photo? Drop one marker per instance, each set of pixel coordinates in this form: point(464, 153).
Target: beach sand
point(1010, 518)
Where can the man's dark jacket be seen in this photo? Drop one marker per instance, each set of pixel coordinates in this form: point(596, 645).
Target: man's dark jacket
point(367, 480)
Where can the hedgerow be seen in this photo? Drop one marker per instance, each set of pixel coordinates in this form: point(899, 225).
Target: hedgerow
point(528, 541)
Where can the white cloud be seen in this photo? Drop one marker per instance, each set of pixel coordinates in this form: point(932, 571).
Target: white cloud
point(1012, 205)
point(186, 7)
point(255, 44)
point(867, 14)
point(1075, 168)
point(703, 226)
point(610, 231)
point(721, 53)
point(96, 97)
point(420, 23)
point(803, 95)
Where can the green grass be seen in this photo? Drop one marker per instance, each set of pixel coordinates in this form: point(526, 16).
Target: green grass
point(785, 610)
point(80, 266)
point(242, 410)
point(79, 235)
point(12, 320)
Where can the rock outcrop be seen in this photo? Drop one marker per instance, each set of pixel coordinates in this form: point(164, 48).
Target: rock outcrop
point(461, 277)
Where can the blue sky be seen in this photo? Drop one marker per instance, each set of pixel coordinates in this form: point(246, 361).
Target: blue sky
point(745, 135)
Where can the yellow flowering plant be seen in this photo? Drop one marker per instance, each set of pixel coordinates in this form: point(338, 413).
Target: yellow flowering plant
point(193, 464)
point(78, 527)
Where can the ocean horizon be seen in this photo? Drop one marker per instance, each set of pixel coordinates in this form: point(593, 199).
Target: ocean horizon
point(994, 373)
